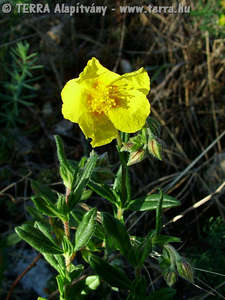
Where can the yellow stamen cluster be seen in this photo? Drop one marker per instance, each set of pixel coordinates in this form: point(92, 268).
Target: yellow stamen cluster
point(102, 98)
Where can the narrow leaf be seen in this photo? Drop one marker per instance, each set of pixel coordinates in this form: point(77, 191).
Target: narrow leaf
point(45, 229)
point(43, 207)
point(83, 179)
point(37, 239)
point(85, 229)
point(102, 190)
point(44, 192)
point(116, 231)
point(112, 275)
point(151, 202)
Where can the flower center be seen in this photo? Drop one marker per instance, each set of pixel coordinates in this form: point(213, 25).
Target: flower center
point(102, 98)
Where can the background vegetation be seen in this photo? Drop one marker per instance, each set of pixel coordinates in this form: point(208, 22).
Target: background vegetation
point(185, 57)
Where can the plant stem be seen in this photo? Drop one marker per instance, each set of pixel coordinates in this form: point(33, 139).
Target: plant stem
point(67, 230)
point(159, 214)
point(124, 179)
point(120, 214)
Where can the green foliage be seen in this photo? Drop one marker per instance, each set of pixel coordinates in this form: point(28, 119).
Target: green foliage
point(150, 202)
point(207, 14)
point(20, 87)
point(85, 230)
point(16, 93)
point(111, 274)
point(37, 239)
point(109, 237)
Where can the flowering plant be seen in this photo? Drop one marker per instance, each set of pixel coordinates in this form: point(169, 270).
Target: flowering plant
point(93, 250)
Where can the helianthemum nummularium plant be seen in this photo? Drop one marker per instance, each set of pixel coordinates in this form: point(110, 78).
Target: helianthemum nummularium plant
point(106, 106)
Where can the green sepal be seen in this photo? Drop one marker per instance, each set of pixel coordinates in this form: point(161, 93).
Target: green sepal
point(37, 239)
point(113, 275)
point(151, 202)
point(134, 144)
point(82, 179)
point(85, 229)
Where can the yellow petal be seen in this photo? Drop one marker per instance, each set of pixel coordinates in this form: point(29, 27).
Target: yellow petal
point(131, 115)
point(97, 127)
point(93, 70)
point(73, 97)
point(138, 80)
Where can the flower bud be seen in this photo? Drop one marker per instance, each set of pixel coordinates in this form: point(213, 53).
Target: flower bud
point(136, 157)
point(155, 148)
point(185, 269)
point(170, 277)
point(127, 147)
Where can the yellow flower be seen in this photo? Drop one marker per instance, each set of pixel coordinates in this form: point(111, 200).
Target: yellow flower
point(103, 102)
point(222, 20)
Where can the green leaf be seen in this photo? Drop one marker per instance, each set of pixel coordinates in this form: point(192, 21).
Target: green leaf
point(112, 275)
point(85, 229)
point(35, 213)
point(66, 169)
point(11, 240)
point(144, 249)
point(118, 179)
point(75, 271)
point(92, 282)
point(43, 207)
point(138, 289)
point(54, 262)
point(37, 239)
point(117, 185)
point(45, 200)
point(45, 229)
point(86, 195)
point(102, 190)
point(151, 202)
point(60, 282)
point(83, 179)
point(62, 205)
point(117, 233)
point(41, 298)
point(44, 192)
point(164, 294)
point(67, 246)
point(164, 239)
